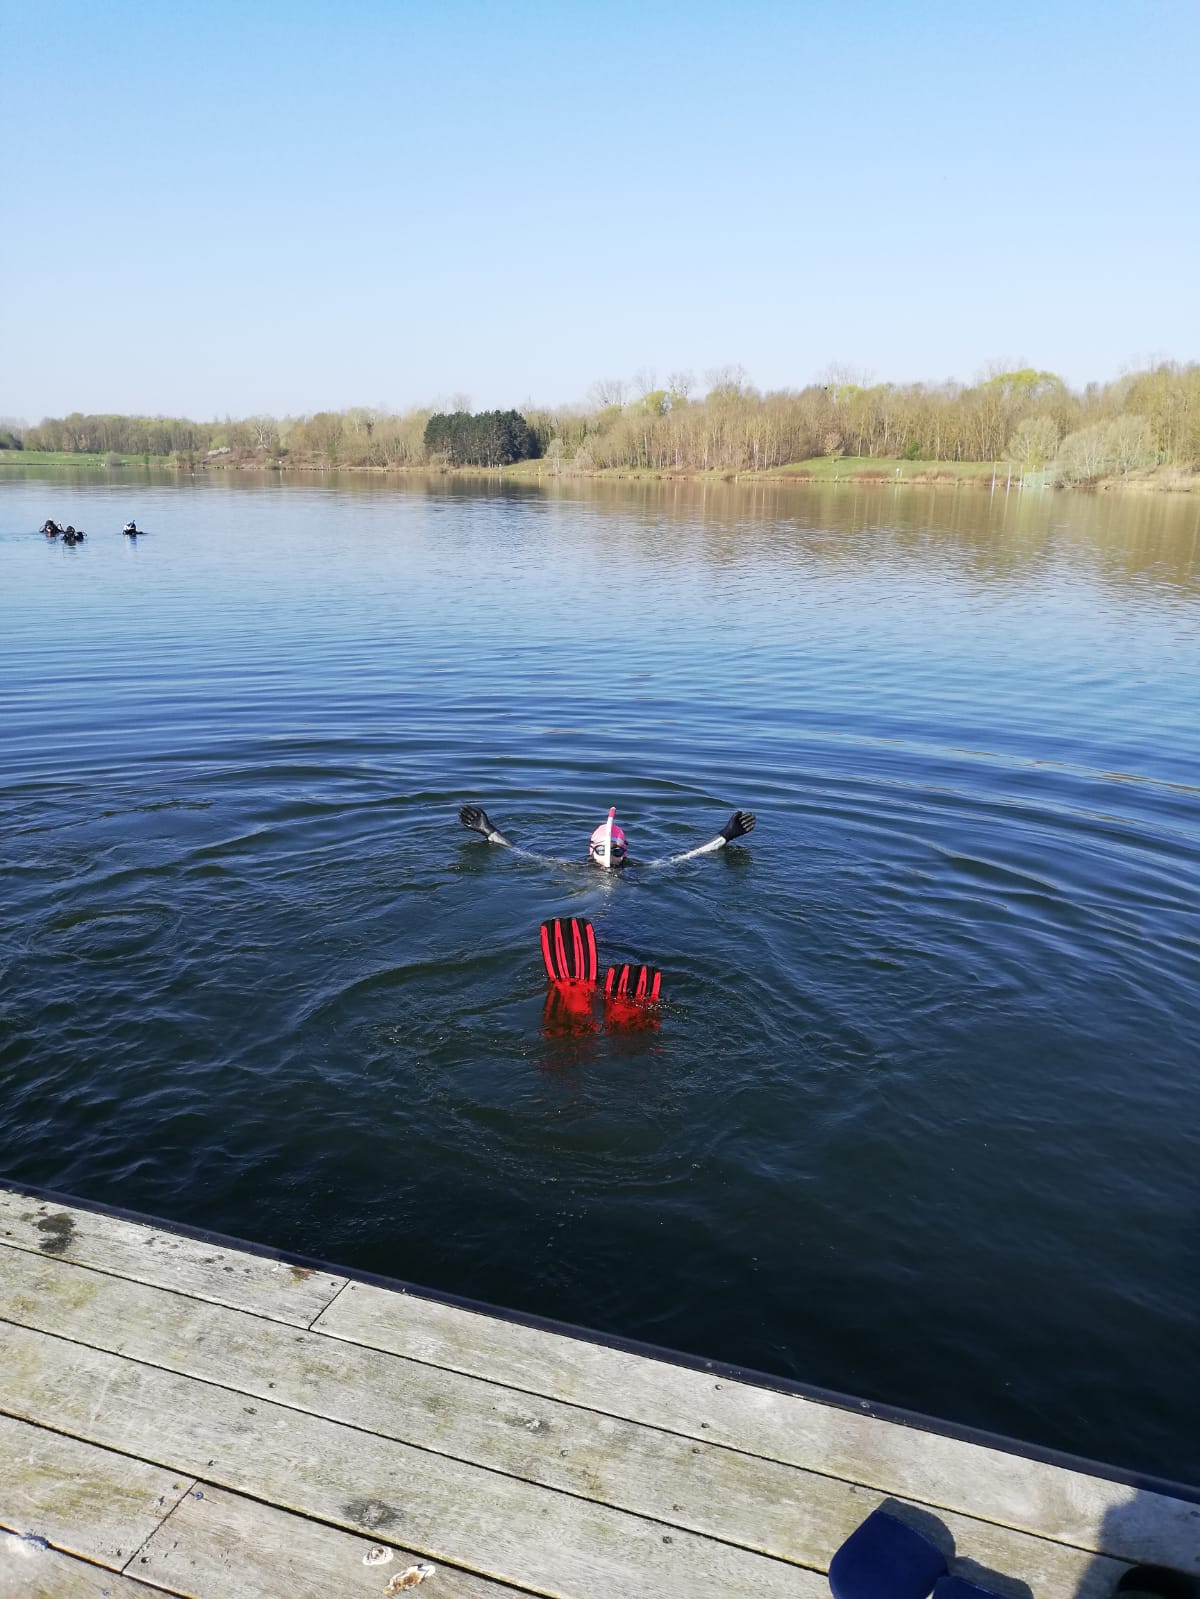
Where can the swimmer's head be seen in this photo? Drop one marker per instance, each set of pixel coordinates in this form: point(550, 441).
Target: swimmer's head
point(607, 847)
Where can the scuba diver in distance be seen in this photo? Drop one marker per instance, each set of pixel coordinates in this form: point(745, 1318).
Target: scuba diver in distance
point(607, 847)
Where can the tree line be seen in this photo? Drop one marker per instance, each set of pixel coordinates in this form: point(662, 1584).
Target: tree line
point(1028, 418)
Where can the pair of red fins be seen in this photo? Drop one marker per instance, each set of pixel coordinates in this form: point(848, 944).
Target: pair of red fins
point(569, 951)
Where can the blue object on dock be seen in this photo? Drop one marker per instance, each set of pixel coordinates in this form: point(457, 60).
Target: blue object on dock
point(885, 1558)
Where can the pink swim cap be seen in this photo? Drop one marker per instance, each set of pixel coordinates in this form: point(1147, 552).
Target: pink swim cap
point(618, 837)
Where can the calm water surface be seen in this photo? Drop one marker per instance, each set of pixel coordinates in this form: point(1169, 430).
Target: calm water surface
point(921, 1120)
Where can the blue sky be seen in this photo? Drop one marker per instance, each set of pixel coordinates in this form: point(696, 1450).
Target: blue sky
point(222, 209)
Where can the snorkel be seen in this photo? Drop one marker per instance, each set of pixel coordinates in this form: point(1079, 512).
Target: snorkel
point(607, 847)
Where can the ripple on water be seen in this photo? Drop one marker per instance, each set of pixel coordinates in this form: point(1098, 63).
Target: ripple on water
point(929, 1035)
point(108, 933)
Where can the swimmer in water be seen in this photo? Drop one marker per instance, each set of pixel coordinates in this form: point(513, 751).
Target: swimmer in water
point(607, 847)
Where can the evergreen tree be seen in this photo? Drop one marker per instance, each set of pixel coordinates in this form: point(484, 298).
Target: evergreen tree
point(488, 438)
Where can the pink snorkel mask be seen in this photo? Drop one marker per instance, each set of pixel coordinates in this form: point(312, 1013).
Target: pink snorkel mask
point(607, 847)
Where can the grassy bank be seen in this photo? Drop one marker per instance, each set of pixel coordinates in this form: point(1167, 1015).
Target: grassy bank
point(888, 469)
point(70, 458)
point(856, 470)
point(822, 469)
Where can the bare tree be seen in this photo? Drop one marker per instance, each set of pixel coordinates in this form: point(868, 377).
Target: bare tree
point(840, 375)
point(1033, 443)
point(265, 432)
point(1086, 453)
point(608, 391)
point(727, 379)
point(1131, 442)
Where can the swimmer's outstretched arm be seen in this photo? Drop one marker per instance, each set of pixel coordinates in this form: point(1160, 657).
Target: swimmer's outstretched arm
point(477, 820)
point(738, 825)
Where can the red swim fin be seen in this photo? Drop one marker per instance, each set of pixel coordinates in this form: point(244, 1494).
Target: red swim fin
point(569, 950)
point(640, 985)
point(631, 998)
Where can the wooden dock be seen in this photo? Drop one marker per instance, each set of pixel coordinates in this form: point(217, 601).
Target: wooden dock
point(187, 1416)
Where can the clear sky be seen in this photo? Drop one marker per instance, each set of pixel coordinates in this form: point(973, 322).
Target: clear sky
point(224, 209)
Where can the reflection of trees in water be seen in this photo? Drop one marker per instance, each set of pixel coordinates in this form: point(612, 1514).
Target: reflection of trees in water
point(1116, 537)
point(1142, 536)
point(1119, 537)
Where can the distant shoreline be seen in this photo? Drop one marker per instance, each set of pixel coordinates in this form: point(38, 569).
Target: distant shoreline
point(823, 472)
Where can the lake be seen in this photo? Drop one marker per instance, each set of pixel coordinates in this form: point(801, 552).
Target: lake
point(921, 1120)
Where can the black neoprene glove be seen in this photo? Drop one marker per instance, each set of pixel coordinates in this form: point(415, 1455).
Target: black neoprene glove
point(740, 823)
point(477, 819)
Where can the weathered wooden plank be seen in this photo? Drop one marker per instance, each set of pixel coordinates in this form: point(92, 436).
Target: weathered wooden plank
point(775, 1509)
point(1088, 1512)
point(225, 1547)
point(28, 1571)
point(82, 1499)
point(489, 1523)
point(150, 1254)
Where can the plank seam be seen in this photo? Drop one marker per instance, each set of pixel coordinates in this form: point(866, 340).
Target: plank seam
point(87, 1560)
point(191, 1488)
point(312, 1326)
